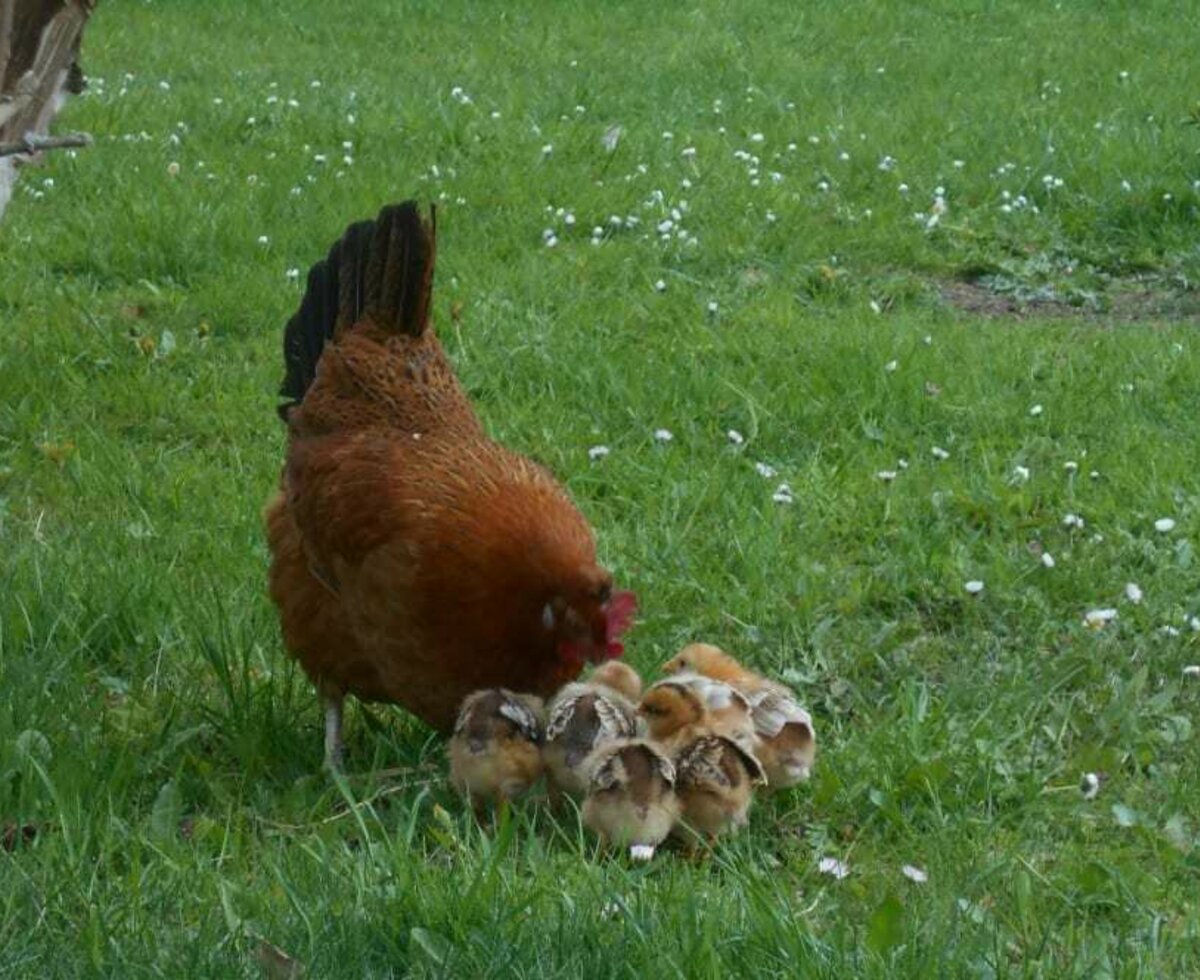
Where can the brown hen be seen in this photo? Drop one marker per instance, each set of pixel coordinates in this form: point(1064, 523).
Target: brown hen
point(414, 560)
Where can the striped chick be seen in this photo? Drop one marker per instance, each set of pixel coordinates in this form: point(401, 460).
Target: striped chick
point(716, 781)
point(585, 717)
point(495, 751)
point(631, 799)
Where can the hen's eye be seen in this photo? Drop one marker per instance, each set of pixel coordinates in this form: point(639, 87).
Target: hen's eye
point(604, 593)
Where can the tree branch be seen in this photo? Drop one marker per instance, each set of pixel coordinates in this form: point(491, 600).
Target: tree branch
point(32, 143)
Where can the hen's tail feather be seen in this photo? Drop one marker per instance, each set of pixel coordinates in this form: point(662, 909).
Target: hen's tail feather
point(382, 269)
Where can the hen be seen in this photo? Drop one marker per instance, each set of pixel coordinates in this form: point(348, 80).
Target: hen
point(414, 560)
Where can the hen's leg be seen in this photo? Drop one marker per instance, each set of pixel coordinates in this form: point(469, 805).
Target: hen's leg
point(334, 750)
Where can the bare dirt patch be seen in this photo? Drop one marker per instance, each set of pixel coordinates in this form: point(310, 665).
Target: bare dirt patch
point(1130, 304)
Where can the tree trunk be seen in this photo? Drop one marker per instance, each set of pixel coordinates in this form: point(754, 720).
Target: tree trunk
point(39, 51)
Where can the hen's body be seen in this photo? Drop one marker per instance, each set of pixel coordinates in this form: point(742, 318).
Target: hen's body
point(414, 560)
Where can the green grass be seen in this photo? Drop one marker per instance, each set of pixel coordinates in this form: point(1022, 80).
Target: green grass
point(166, 753)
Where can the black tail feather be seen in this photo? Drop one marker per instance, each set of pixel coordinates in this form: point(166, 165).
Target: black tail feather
point(382, 269)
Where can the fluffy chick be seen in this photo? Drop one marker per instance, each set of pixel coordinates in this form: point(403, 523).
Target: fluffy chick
point(715, 783)
point(787, 744)
point(675, 714)
point(495, 751)
point(786, 739)
point(618, 676)
point(631, 799)
point(584, 717)
point(712, 661)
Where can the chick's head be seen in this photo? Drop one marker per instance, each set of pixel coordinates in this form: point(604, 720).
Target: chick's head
point(668, 707)
point(706, 659)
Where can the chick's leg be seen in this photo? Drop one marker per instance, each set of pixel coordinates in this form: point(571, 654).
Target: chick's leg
point(334, 750)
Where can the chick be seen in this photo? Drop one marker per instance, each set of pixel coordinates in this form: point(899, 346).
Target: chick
point(712, 661)
point(631, 799)
point(675, 714)
point(620, 677)
point(495, 751)
point(786, 738)
point(583, 717)
point(787, 745)
point(729, 710)
point(716, 780)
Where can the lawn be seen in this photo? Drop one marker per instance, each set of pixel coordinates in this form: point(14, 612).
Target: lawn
point(934, 267)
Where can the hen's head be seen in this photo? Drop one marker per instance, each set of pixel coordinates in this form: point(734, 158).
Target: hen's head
point(588, 619)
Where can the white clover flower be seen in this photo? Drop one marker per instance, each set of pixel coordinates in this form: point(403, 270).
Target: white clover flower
point(783, 494)
point(1071, 466)
point(1089, 785)
point(1047, 559)
point(770, 217)
point(757, 138)
point(735, 437)
point(887, 476)
point(1073, 520)
point(598, 452)
point(834, 867)
point(665, 226)
point(1099, 618)
point(292, 274)
point(914, 874)
point(173, 169)
point(1133, 592)
point(712, 306)
point(940, 453)
point(663, 435)
point(1035, 410)
point(264, 240)
point(1191, 670)
point(1021, 473)
point(891, 366)
point(660, 286)
point(765, 470)
point(974, 586)
point(903, 188)
point(689, 152)
point(548, 149)
point(1164, 525)
point(887, 163)
point(875, 306)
